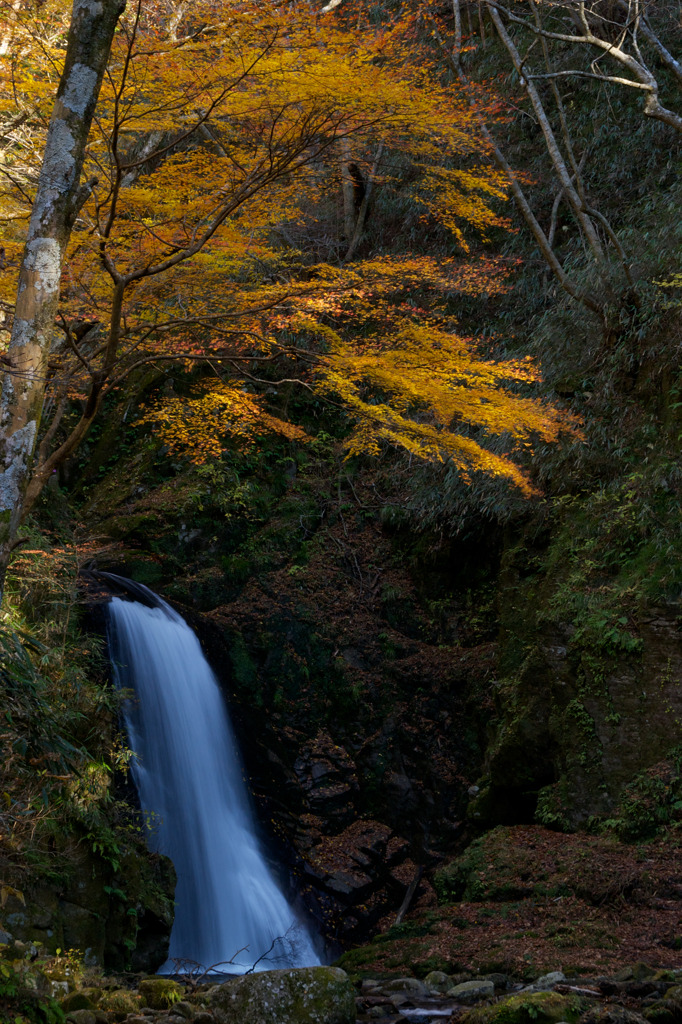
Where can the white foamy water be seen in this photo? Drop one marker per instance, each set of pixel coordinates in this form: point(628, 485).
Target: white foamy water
point(192, 791)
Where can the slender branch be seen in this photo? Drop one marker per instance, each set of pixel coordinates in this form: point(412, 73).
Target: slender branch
point(531, 220)
point(553, 149)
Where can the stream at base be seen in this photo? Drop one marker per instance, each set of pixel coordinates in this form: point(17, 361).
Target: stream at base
point(229, 908)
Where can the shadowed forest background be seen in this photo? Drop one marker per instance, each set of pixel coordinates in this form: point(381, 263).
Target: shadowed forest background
point(366, 358)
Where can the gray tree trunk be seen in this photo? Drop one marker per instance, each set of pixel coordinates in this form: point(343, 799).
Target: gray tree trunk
point(57, 201)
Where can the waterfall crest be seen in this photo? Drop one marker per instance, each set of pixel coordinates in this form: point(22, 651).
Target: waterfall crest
point(195, 800)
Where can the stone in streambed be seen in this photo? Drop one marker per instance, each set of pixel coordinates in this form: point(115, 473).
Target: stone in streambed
point(527, 1008)
point(546, 982)
point(472, 991)
point(410, 986)
point(437, 982)
point(303, 995)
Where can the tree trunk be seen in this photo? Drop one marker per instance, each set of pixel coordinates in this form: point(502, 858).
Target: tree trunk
point(348, 190)
point(57, 201)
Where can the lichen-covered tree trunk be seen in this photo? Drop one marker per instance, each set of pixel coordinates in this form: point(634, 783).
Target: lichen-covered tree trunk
point(57, 201)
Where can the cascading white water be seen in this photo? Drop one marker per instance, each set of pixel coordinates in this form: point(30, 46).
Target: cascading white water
point(189, 779)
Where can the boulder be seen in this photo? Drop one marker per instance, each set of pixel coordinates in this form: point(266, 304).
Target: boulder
point(160, 993)
point(546, 982)
point(119, 1003)
point(527, 1008)
point(412, 986)
point(304, 995)
point(437, 982)
point(472, 991)
point(76, 1001)
point(81, 1017)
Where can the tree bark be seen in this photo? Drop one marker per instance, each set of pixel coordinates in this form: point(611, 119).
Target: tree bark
point(348, 190)
point(56, 205)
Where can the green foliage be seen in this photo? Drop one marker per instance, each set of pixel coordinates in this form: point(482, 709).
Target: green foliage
point(20, 1000)
point(651, 803)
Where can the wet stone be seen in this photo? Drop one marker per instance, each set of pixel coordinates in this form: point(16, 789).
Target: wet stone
point(472, 991)
point(411, 985)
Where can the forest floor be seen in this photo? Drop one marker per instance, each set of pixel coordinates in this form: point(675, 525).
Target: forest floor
point(536, 900)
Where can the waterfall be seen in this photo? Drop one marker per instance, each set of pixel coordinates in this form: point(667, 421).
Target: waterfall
point(188, 774)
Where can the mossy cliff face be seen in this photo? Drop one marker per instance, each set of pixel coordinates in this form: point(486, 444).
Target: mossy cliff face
point(587, 704)
point(118, 914)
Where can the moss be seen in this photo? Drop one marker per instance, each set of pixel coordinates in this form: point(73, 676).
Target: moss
point(160, 993)
point(305, 995)
point(533, 1008)
point(76, 1001)
point(120, 1002)
point(491, 868)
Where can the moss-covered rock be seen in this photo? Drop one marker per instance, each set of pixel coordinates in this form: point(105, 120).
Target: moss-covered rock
point(527, 1008)
point(305, 995)
point(81, 1017)
point(76, 1001)
point(120, 1002)
point(160, 993)
point(472, 991)
point(438, 981)
point(665, 1011)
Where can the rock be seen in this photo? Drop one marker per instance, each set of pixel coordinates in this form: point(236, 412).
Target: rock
point(527, 1008)
point(76, 1001)
point(665, 1011)
point(370, 985)
point(639, 989)
point(611, 1015)
point(472, 991)
point(499, 980)
point(412, 986)
point(119, 1003)
point(399, 999)
point(184, 1009)
point(203, 1017)
point(81, 1017)
point(304, 995)
point(546, 982)
point(160, 993)
point(609, 987)
point(328, 779)
point(437, 982)
point(5, 938)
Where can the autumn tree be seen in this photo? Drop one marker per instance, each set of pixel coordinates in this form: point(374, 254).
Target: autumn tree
point(212, 137)
point(552, 48)
point(56, 203)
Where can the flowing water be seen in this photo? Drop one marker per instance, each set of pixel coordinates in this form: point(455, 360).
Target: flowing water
point(193, 794)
